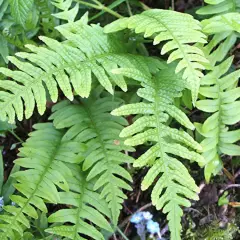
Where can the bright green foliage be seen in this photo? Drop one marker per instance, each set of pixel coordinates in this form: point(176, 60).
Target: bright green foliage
point(224, 28)
point(44, 157)
point(174, 184)
point(219, 7)
point(86, 205)
point(179, 31)
point(69, 65)
point(66, 13)
point(91, 123)
point(20, 10)
point(222, 101)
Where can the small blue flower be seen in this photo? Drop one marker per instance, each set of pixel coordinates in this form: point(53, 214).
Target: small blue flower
point(13, 203)
point(1, 203)
point(147, 215)
point(137, 217)
point(153, 227)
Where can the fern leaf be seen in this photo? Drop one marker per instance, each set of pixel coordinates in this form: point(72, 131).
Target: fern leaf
point(91, 123)
point(174, 184)
point(66, 13)
point(20, 10)
point(179, 31)
point(44, 157)
point(219, 7)
point(222, 102)
point(69, 65)
point(86, 205)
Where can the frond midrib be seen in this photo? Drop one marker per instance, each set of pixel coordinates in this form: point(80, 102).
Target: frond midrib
point(106, 158)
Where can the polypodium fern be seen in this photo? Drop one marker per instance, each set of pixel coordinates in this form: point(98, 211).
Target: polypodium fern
point(221, 100)
point(179, 31)
point(87, 51)
point(86, 205)
point(91, 123)
point(44, 157)
point(174, 184)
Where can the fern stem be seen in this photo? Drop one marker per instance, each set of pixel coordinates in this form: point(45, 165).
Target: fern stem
point(100, 6)
point(173, 5)
point(121, 233)
point(144, 6)
point(16, 136)
point(129, 8)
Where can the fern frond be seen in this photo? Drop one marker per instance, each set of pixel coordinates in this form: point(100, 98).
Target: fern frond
point(66, 12)
point(69, 65)
point(91, 123)
point(219, 7)
point(86, 205)
point(179, 31)
point(222, 101)
point(44, 157)
point(20, 10)
point(174, 185)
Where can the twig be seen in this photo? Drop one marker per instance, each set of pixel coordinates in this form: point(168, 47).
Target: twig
point(231, 186)
point(164, 230)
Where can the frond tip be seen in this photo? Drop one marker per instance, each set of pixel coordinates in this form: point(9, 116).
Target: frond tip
point(179, 32)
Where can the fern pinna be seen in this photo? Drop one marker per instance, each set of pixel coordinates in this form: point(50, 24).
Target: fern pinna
point(222, 101)
point(174, 185)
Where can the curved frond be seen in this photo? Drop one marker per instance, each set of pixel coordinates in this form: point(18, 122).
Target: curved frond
point(179, 32)
point(69, 65)
point(44, 157)
point(174, 184)
point(91, 123)
point(222, 101)
point(86, 204)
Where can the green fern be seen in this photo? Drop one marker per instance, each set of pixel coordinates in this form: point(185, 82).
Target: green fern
point(44, 156)
point(221, 100)
point(20, 10)
point(88, 51)
point(91, 123)
point(179, 31)
point(86, 205)
point(219, 7)
point(174, 185)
